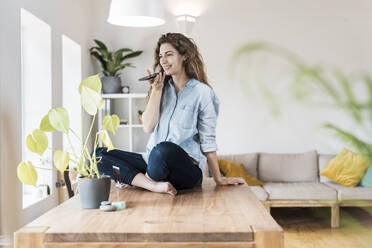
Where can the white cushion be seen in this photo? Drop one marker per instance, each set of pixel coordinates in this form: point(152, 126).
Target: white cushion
point(295, 167)
point(300, 191)
point(351, 193)
point(323, 160)
point(259, 192)
point(249, 161)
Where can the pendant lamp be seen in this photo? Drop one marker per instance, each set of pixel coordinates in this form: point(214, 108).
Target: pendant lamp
point(136, 13)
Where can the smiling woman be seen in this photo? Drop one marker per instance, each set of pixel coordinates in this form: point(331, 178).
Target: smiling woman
point(181, 115)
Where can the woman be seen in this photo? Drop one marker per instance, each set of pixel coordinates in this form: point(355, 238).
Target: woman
point(181, 116)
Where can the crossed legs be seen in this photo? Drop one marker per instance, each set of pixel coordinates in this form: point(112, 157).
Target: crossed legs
point(169, 168)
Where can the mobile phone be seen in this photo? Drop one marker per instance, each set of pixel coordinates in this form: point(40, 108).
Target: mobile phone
point(149, 77)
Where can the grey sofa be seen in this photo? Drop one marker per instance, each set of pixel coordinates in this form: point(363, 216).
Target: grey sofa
point(292, 180)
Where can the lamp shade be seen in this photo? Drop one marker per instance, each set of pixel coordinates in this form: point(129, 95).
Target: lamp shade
point(185, 23)
point(136, 13)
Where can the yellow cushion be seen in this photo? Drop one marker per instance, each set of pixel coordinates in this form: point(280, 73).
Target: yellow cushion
point(231, 169)
point(347, 168)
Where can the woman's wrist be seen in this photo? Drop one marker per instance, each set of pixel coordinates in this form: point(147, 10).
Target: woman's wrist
point(218, 179)
point(157, 91)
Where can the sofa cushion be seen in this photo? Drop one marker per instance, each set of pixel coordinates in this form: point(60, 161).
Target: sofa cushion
point(347, 168)
point(231, 169)
point(259, 192)
point(300, 191)
point(295, 167)
point(249, 161)
point(351, 193)
point(323, 159)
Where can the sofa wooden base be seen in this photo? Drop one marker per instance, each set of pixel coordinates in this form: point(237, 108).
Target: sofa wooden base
point(335, 206)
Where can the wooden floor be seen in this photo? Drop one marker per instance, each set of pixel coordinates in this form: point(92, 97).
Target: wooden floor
point(310, 227)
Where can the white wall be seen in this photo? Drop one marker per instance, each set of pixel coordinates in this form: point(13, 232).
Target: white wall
point(332, 33)
point(69, 17)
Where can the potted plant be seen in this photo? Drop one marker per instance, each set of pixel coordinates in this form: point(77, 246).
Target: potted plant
point(140, 112)
point(112, 62)
point(93, 186)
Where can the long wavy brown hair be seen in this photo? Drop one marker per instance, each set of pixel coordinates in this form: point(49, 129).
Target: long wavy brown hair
point(193, 63)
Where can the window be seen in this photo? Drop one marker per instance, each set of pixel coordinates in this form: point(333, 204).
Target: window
point(36, 98)
point(71, 73)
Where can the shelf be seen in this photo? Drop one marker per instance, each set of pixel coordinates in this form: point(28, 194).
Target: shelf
point(131, 136)
point(134, 125)
point(137, 125)
point(122, 95)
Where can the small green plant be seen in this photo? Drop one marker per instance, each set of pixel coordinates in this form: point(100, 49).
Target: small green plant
point(112, 62)
point(140, 112)
point(57, 120)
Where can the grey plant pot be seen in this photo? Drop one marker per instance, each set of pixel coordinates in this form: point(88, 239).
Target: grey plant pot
point(93, 191)
point(110, 84)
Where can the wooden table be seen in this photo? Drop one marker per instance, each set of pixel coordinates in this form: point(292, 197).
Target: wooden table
point(207, 216)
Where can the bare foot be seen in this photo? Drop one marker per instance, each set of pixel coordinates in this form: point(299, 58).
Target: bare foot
point(147, 175)
point(164, 187)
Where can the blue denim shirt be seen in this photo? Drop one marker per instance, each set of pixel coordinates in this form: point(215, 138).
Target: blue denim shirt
point(187, 119)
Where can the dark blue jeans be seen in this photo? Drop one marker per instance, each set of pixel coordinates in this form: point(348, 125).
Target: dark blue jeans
point(167, 162)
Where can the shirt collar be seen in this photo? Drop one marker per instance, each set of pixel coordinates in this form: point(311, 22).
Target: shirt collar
point(191, 83)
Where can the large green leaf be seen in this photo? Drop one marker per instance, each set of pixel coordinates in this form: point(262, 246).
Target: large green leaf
point(45, 125)
point(360, 145)
point(37, 142)
point(106, 141)
point(131, 55)
point(99, 57)
point(115, 69)
point(91, 100)
point(92, 82)
point(102, 53)
point(102, 48)
point(350, 101)
point(368, 82)
point(59, 119)
point(111, 123)
point(110, 68)
point(61, 160)
point(100, 44)
point(26, 173)
point(119, 53)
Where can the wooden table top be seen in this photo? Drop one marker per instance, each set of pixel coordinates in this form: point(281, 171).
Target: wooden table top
point(205, 214)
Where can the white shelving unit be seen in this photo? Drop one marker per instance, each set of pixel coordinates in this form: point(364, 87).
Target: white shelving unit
point(124, 105)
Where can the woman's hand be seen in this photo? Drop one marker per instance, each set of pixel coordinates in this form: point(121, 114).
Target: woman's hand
point(230, 181)
point(157, 83)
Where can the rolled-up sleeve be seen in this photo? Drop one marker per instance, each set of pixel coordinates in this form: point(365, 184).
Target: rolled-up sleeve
point(207, 122)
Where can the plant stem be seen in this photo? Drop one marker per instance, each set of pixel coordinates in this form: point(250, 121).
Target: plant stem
point(82, 158)
point(53, 169)
point(73, 132)
point(86, 141)
point(72, 148)
point(90, 160)
point(82, 130)
point(90, 130)
point(95, 168)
